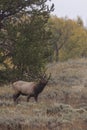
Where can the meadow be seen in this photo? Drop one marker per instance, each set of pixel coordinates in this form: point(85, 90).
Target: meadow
point(61, 106)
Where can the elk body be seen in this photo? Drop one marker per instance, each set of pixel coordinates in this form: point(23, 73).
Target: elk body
point(29, 89)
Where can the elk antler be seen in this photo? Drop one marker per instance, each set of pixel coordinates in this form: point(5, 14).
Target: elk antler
point(49, 77)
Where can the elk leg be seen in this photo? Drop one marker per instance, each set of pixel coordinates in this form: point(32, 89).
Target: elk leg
point(15, 96)
point(29, 96)
point(36, 98)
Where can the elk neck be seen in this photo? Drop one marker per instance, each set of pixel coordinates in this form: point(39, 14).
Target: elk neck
point(40, 87)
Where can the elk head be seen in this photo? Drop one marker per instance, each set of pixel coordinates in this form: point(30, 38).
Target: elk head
point(44, 78)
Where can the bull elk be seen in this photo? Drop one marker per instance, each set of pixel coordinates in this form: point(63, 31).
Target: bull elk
point(29, 89)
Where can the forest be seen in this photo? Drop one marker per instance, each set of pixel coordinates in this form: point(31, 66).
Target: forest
point(30, 38)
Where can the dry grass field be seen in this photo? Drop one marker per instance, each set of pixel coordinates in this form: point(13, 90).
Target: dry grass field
point(61, 106)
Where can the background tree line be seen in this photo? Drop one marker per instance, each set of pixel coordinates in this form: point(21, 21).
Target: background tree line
point(30, 38)
point(69, 38)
